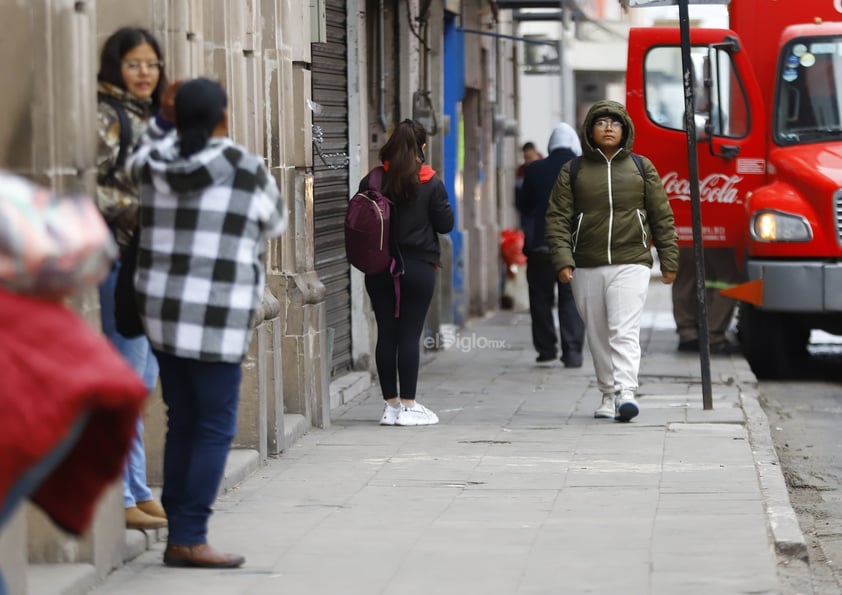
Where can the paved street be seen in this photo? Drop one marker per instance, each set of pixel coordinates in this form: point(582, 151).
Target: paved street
point(518, 490)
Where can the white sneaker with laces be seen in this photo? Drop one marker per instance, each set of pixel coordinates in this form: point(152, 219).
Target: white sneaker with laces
point(390, 415)
point(417, 415)
point(606, 409)
point(627, 406)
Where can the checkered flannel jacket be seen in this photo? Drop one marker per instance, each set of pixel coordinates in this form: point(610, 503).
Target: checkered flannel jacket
point(205, 221)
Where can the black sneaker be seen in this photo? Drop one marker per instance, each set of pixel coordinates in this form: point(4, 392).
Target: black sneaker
point(543, 359)
point(724, 348)
point(690, 345)
point(572, 361)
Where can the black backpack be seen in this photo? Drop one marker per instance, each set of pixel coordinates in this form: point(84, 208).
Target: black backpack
point(126, 314)
point(576, 163)
point(125, 138)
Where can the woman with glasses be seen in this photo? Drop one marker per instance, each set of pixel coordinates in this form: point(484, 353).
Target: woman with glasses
point(130, 83)
point(602, 227)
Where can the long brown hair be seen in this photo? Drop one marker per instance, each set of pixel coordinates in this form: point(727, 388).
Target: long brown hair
point(404, 154)
point(120, 43)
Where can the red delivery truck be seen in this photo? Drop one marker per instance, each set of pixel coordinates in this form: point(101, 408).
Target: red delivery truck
point(769, 131)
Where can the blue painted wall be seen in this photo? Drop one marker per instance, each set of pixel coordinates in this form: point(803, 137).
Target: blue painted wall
point(454, 90)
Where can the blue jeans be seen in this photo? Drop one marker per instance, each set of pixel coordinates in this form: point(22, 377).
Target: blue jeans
point(25, 485)
point(201, 399)
point(139, 355)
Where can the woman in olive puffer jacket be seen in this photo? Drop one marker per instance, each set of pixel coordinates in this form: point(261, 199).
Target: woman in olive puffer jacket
point(604, 228)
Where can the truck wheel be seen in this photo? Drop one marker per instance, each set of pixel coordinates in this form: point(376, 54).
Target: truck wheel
point(774, 344)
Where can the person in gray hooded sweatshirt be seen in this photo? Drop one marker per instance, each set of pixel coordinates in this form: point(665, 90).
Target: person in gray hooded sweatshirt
point(603, 228)
point(207, 208)
point(539, 178)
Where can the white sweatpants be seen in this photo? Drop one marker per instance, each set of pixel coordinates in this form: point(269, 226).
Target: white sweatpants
point(610, 300)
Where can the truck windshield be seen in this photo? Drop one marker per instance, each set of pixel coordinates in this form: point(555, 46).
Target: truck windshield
point(807, 103)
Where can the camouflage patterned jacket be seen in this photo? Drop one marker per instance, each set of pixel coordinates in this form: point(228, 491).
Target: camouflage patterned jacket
point(117, 196)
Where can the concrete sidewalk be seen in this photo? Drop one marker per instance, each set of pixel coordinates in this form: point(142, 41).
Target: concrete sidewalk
point(518, 490)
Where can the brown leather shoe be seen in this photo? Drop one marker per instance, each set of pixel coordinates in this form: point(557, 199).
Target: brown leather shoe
point(200, 556)
point(152, 508)
point(137, 519)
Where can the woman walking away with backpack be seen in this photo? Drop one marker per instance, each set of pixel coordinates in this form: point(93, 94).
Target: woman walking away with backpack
point(131, 80)
point(420, 211)
point(208, 207)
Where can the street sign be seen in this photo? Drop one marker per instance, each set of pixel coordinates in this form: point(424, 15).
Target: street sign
point(646, 3)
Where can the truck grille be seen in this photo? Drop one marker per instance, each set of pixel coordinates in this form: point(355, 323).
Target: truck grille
point(837, 211)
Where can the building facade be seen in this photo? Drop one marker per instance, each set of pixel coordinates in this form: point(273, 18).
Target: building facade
point(316, 88)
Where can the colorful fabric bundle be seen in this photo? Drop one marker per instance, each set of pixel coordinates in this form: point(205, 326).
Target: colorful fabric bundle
point(50, 245)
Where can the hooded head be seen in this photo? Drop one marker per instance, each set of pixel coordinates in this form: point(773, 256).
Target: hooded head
point(602, 109)
point(564, 137)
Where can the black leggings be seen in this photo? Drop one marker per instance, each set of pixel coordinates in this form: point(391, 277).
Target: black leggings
point(398, 351)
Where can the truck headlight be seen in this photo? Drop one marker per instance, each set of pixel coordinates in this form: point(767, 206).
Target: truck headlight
point(772, 226)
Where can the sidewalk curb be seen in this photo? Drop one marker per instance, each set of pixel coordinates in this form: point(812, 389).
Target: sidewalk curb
point(790, 543)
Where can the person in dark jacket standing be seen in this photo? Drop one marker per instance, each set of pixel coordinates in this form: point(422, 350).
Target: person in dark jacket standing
point(530, 154)
point(603, 228)
point(421, 211)
point(534, 196)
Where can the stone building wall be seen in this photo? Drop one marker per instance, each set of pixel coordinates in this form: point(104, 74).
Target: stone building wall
point(259, 50)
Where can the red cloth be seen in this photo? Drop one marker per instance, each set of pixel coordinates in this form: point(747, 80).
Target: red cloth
point(425, 174)
point(511, 246)
point(54, 367)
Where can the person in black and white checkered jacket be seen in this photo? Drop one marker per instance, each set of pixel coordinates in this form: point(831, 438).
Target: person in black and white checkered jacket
point(208, 207)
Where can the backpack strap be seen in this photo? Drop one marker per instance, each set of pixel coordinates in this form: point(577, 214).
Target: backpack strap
point(375, 178)
point(574, 171)
point(638, 161)
point(125, 136)
point(375, 182)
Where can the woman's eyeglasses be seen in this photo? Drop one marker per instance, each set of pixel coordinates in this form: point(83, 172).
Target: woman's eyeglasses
point(604, 123)
point(136, 65)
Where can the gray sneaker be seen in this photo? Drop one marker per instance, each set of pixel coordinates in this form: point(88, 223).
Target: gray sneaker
point(627, 407)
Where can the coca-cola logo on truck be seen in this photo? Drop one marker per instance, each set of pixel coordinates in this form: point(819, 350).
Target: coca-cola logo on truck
point(715, 188)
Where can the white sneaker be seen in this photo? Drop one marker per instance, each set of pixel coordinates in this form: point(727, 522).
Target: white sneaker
point(606, 410)
point(390, 415)
point(417, 415)
point(627, 407)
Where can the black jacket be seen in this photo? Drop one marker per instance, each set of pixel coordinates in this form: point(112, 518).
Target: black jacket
point(414, 227)
point(534, 196)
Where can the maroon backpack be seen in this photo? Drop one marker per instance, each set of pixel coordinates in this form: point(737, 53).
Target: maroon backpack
point(367, 228)
point(367, 233)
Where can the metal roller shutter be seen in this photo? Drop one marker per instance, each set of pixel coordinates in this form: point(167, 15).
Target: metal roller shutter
point(330, 165)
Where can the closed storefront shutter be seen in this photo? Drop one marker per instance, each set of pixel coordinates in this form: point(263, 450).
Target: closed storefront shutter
point(331, 188)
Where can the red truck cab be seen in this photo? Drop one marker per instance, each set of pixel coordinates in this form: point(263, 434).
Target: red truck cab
point(769, 134)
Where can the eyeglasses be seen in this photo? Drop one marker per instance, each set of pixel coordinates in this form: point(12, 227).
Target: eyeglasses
point(136, 65)
point(604, 123)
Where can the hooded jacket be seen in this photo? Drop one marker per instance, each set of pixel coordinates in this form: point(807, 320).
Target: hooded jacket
point(116, 196)
point(611, 218)
point(205, 220)
point(538, 182)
